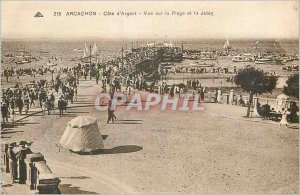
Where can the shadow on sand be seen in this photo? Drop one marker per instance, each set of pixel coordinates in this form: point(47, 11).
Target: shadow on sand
point(15, 125)
point(125, 123)
point(128, 122)
point(76, 177)
point(69, 189)
point(7, 185)
point(131, 120)
point(9, 132)
point(115, 150)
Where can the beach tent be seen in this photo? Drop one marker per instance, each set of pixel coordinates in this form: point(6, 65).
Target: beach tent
point(82, 135)
point(283, 97)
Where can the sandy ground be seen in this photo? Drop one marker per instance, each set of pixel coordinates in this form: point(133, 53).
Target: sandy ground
point(212, 151)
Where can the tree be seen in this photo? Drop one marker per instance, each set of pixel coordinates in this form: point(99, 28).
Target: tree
point(292, 87)
point(254, 81)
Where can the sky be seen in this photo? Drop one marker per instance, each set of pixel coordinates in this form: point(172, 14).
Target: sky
point(234, 20)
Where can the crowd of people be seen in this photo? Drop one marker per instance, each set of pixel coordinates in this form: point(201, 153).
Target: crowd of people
point(37, 94)
point(111, 75)
point(201, 70)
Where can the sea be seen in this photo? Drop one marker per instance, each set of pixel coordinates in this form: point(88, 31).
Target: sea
point(68, 51)
point(109, 49)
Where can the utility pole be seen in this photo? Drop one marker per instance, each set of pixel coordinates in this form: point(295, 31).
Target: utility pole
point(122, 58)
point(52, 73)
point(90, 55)
point(182, 46)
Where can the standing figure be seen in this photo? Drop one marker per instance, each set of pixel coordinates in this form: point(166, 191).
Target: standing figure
point(61, 105)
point(12, 163)
point(21, 156)
point(26, 103)
point(111, 115)
point(20, 104)
point(4, 112)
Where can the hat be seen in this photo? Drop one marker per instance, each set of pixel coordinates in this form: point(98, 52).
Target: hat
point(11, 145)
point(23, 143)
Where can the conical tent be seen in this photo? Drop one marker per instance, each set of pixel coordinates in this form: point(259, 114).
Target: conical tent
point(283, 97)
point(82, 135)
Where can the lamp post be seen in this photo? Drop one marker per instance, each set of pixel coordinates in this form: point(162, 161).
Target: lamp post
point(122, 59)
point(52, 73)
point(90, 55)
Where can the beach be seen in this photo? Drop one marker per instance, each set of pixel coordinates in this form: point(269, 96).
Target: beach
point(183, 153)
point(217, 150)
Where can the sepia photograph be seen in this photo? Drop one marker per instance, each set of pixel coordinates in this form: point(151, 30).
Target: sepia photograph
point(149, 97)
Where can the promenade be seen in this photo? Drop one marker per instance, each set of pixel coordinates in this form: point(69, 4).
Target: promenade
point(213, 151)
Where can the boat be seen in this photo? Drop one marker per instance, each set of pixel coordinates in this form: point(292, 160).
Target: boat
point(166, 64)
point(260, 62)
point(94, 51)
point(77, 49)
point(227, 45)
point(22, 61)
point(89, 53)
point(287, 59)
point(190, 57)
point(264, 59)
point(43, 51)
point(256, 43)
point(26, 61)
point(19, 62)
point(208, 58)
point(240, 59)
point(200, 64)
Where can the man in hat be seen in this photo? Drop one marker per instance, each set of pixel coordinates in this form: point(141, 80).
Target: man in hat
point(12, 163)
point(61, 105)
point(4, 112)
point(26, 103)
point(111, 115)
point(42, 96)
point(71, 94)
point(19, 104)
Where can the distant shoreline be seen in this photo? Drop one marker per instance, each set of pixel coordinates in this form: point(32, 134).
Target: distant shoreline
point(151, 39)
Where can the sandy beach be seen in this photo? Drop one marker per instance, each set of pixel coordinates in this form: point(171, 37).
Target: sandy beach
point(213, 151)
point(232, 68)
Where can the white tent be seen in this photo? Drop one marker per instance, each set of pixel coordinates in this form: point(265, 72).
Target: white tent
point(283, 97)
point(82, 135)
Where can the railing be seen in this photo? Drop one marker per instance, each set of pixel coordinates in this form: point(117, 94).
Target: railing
point(36, 173)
